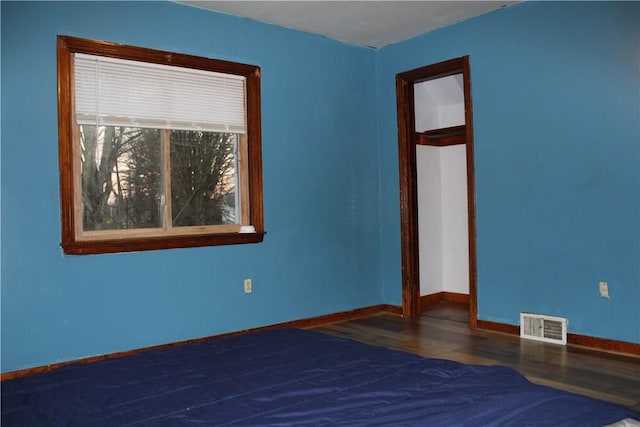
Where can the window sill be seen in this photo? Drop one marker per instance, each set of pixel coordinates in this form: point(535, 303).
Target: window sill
point(157, 243)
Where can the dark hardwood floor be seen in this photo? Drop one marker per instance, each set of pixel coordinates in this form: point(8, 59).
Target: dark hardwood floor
point(442, 332)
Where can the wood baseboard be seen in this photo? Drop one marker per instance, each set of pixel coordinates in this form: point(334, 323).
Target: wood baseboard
point(499, 327)
point(302, 323)
point(604, 344)
point(432, 299)
point(572, 339)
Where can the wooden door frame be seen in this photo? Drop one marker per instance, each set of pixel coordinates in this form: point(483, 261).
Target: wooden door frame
point(407, 141)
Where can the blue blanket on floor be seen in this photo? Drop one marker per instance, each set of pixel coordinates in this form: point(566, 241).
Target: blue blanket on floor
point(291, 377)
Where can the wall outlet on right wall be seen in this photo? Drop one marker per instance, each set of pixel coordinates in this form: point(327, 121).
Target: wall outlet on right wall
point(604, 289)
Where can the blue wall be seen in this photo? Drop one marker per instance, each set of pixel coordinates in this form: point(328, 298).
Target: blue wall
point(321, 252)
point(556, 90)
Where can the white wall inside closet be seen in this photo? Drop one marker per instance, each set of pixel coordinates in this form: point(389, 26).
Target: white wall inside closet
point(442, 190)
point(439, 103)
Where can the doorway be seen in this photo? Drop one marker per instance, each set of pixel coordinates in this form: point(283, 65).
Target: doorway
point(443, 132)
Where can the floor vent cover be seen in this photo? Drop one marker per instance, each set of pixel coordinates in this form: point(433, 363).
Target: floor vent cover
point(543, 328)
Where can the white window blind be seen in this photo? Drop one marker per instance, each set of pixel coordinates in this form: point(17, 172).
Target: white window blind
point(117, 92)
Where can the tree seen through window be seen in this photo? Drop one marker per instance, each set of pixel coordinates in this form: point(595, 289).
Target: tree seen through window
point(124, 187)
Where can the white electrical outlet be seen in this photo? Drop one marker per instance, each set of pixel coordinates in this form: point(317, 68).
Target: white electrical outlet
point(248, 286)
point(604, 289)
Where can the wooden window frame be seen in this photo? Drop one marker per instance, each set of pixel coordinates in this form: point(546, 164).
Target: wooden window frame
point(73, 242)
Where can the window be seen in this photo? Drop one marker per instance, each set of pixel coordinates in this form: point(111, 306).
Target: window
point(157, 149)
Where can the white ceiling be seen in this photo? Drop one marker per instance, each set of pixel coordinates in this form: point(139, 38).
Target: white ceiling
point(365, 23)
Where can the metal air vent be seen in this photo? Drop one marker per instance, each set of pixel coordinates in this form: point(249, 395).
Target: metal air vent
point(543, 328)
